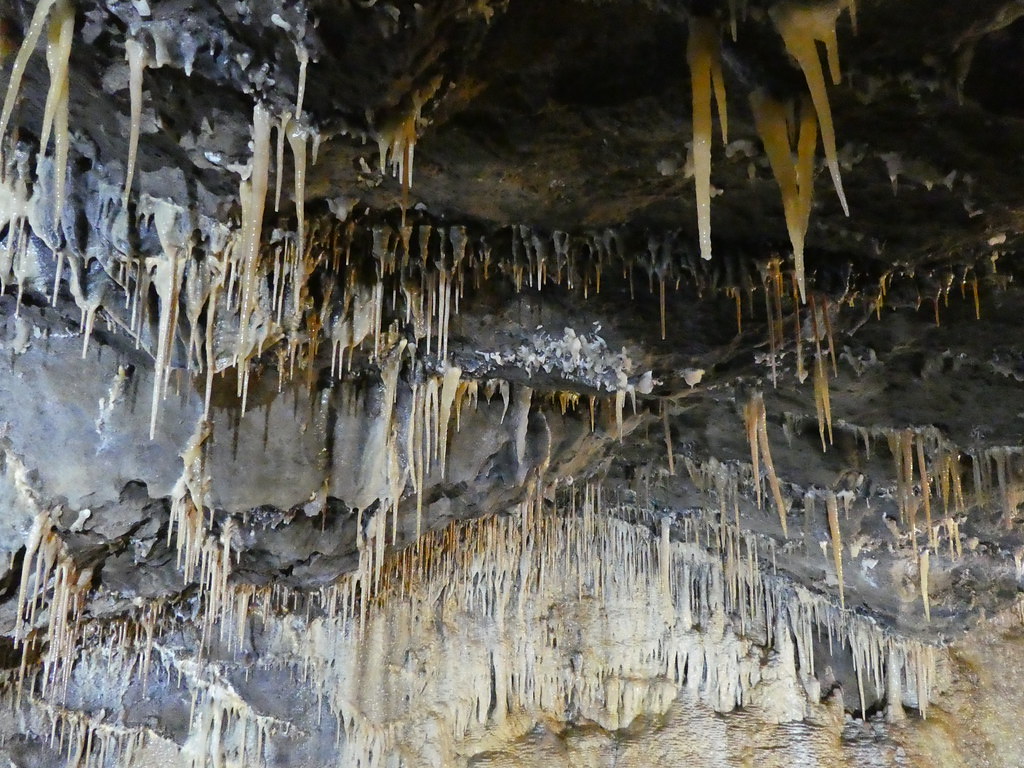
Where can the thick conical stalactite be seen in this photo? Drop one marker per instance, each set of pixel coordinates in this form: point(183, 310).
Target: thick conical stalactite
point(794, 175)
point(28, 45)
point(135, 54)
point(802, 26)
point(704, 58)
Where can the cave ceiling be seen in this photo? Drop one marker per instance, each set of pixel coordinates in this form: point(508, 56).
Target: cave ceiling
point(306, 304)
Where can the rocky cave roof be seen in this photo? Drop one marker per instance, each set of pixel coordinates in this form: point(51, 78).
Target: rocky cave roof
point(318, 314)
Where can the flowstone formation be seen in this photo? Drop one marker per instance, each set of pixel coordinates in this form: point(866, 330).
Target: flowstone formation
point(483, 384)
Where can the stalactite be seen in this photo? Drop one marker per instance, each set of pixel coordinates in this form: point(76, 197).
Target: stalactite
point(167, 272)
point(704, 59)
point(297, 142)
point(822, 401)
point(28, 45)
point(751, 416)
point(926, 493)
point(832, 510)
point(668, 439)
point(282, 129)
point(300, 92)
point(801, 372)
point(188, 499)
point(795, 177)
point(923, 564)
point(801, 27)
point(135, 53)
point(757, 426)
point(449, 386)
point(397, 140)
point(55, 114)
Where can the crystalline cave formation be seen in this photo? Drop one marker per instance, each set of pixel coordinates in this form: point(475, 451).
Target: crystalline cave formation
point(482, 383)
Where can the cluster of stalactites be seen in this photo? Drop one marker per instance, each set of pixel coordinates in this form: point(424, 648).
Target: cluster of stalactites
point(929, 491)
point(686, 576)
point(932, 496)
point(396, 138)
point(52, 584)
point(59, 18)
point(801, 25)
point(233, 276)
point(936, 285)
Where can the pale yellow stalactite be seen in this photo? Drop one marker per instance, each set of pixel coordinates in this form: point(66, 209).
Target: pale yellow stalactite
point(703, 56)
point(807, 148)
point(167, 272)
point(925, 598)
point(39, 541)
point(756, 419)
point(795, 176)
point(396, 140)
point(773, 479)
point(751, 415)
point(303, 56)
point(55, 115)
point(135, 53)
point(906, 442)
point(822, 401)
point(58, 52)
point(449, 386)
point(665, 563)
point(801, 372)
point(297, 142)
point(926, 493)
point(253, 194)
point(837, 542)
point(668, 440)
point(733, 17)
point(894, 712)
point(826, 314)
point(28, 45)
point(801, 27)
point(282, 129)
